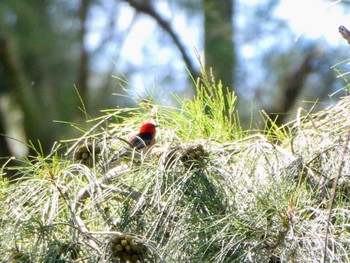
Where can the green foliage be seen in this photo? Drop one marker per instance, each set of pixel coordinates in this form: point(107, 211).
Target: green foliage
point(341, 73)
point(206, 193)
point(211, 114)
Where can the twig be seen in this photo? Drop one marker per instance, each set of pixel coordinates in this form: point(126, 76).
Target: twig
point(85, 192)
point(81, 226)
point(335, 183)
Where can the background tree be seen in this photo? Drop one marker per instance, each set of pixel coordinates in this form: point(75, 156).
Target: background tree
point(47, 48)
point(218, 39)
point(83, 74)
point(37, 65)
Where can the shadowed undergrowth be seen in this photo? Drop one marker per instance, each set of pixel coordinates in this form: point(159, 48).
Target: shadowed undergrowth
point(208, 191)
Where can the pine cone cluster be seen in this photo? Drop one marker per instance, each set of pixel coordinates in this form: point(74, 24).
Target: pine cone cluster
point(87, 153)
point(127, 248)
point(191, 156)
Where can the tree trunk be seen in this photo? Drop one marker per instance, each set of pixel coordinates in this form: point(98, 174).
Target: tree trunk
point(14, 73)
point(83, 74)
point(4, 148)
point(21, 89)
point(218, 39)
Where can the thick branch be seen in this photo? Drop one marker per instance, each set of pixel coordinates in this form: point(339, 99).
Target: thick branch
point(294, 84)
point(145, 7)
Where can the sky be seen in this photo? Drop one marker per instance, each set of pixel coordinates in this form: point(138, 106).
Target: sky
point(310, 19)
point(315, 18)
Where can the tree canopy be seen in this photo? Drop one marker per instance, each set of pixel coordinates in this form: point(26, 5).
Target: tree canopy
point(62, 61)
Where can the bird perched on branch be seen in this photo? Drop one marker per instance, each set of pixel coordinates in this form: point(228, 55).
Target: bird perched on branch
point(139, 143)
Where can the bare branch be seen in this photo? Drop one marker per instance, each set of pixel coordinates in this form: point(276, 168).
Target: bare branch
point(334, 191)
point(145, 7)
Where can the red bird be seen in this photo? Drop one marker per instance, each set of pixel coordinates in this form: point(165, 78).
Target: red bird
point(140, 142)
